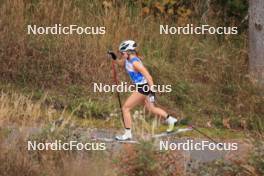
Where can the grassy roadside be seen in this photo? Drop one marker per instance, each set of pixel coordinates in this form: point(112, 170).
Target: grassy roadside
point(45, 109)
point(18, 108)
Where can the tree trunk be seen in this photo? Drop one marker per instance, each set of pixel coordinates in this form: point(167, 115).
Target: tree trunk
point(256, 39)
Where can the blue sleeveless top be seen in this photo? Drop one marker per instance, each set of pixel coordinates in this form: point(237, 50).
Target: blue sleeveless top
point(135, 76)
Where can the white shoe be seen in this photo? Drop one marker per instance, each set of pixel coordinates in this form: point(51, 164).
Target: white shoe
point(171, 121)
point(126, 136)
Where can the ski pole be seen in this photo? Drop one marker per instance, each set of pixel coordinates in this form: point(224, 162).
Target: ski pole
point(117, 93)
point(205, 135)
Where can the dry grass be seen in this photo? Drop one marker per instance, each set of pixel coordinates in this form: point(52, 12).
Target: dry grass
point(17, 108)
point(208, 73)
point(21, 115)
point(17, 160)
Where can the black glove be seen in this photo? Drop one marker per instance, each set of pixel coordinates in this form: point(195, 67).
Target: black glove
point(112, 54)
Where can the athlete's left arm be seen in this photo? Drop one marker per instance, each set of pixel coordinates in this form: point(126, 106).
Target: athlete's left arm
point(140, 68)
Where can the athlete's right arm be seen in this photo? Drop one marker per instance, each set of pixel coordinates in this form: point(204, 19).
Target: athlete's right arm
point(113, 56)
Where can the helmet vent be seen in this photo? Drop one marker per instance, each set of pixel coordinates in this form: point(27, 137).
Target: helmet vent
point(124, 47)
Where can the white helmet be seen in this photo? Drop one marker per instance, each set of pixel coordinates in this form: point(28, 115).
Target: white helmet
point(127, 45)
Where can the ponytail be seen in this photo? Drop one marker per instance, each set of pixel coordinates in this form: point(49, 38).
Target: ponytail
point(136, 53)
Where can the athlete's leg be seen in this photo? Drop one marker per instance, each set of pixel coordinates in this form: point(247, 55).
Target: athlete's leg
point(158, 111)
point(155, 110)
point(134, 99)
